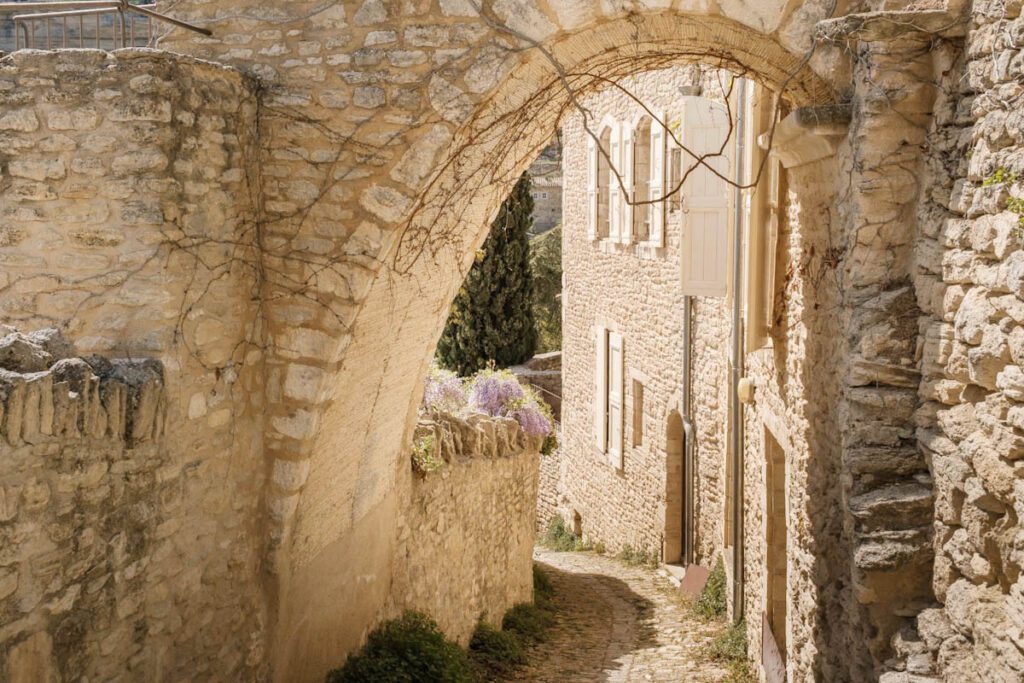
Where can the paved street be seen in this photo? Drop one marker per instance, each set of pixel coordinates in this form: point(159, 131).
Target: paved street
point(617, 623)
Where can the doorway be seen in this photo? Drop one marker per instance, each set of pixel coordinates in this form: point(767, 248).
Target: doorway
point(675, 491)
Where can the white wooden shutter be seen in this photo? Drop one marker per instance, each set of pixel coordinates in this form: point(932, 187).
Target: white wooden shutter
point(657, 181)
point(615, 394)
point(771, 245)
point(601, 388)
point(627, 166)
point(762, 227)
point(614, 190)
point(706, 228)
point(592, 208)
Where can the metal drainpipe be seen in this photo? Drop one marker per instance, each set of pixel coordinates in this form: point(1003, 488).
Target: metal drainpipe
point(736, 363)
point(688, 435)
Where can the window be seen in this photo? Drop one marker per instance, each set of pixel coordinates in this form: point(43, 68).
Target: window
point(656, 189)
point(675, 176)
point(543, 195)
point(597, 185)
point(608, 379)
point(638, 413)
point(762, 225)
point(614, 187)
point(642, 211)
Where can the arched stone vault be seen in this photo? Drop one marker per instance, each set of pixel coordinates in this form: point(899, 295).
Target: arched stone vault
point(390, 132)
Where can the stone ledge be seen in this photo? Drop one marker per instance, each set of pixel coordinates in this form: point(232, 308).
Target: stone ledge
point(47, 394)
point(477, 436)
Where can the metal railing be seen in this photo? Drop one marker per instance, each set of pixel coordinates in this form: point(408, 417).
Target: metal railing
point(102, 24)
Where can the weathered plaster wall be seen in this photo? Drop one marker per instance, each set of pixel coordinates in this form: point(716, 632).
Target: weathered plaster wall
point(968, 271)
point(127, 219)
point(466, 531)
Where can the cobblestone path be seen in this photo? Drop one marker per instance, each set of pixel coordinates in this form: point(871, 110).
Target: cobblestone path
point(618, 624)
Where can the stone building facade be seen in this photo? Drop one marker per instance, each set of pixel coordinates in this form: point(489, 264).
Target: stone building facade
point(632, 288)
point(283, 227)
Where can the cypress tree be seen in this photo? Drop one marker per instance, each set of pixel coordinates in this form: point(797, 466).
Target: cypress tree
point(491, 319)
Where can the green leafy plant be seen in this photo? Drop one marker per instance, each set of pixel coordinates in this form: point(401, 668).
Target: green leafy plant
point(528, 621)
point(543, 589)
point(410, 649)
point(558, 536)
point(730, 648)
point(495, 652)
point(1000, 175)
point(423, 457)
point(638, 556)
point(711, 601)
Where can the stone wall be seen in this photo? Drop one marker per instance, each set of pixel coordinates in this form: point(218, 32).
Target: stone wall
point(969, 269)
point(127, 220)
point(466, 531)
point(90, 500)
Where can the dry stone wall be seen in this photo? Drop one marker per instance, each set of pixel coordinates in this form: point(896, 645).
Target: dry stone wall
point(466, 531)
point(968, 275)
point(87, 503)
point(127, 220)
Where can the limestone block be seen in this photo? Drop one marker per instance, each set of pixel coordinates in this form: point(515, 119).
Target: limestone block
point(525, 19)
point(1011, 382)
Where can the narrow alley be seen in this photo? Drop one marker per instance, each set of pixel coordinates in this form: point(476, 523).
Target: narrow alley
point(619, 623)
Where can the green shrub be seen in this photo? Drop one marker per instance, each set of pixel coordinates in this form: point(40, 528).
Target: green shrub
point(711, 601)
point(730, 647)
point(410, 649)
point(494, 652)
point(558, 536)
point(638, 557)
point(528, 621)
point(543, 589)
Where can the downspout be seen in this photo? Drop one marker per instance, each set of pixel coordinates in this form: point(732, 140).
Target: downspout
point(688, 435)
point(736, 363)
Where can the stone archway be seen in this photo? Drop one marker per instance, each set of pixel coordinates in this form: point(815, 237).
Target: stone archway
point(392, 217)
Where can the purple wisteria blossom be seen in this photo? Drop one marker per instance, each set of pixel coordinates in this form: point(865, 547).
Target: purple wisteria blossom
point(444, 391)
point(492, 392)
point(495, 392)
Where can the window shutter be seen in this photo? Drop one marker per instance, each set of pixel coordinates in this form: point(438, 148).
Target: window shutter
point(601, 388)
point(592, 166)
point(657, 181)
point(627, 166)
point(706, 229)
point(615, 393)
point(762, 225)
point(775, 207)
point(614, 191)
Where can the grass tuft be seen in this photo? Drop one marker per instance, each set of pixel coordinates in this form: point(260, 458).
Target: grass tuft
point(711, 601)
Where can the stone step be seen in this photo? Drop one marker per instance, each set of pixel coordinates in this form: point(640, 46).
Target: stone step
point(895, 506)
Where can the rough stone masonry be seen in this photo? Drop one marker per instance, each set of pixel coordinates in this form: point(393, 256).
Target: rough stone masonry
point(283, 225)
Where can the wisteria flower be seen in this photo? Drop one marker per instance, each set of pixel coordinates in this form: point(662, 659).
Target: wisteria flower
point(444, 391)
